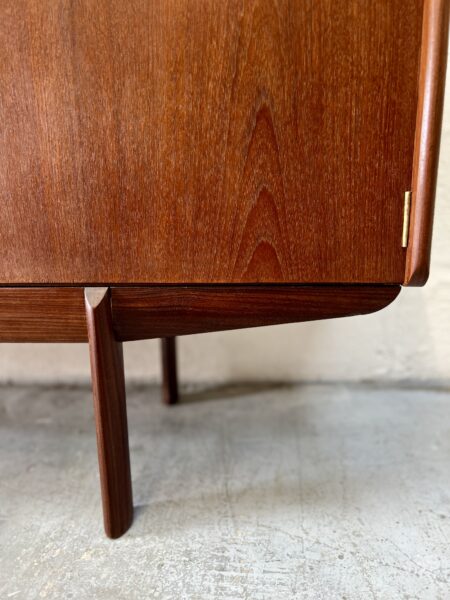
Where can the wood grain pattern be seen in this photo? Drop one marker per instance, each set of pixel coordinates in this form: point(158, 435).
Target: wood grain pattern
point(108, 384)
point(42, 315)
point(141, 313)
point(206, 141)
point(169, 370)
point(58, 314)
point(433, 66)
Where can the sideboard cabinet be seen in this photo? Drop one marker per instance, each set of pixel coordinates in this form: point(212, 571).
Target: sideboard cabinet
point(171, 167)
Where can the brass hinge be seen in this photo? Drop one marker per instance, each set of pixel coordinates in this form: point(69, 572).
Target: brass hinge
point(406, 211)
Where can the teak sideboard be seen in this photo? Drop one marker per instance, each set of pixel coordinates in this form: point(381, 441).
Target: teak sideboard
point(171, 167)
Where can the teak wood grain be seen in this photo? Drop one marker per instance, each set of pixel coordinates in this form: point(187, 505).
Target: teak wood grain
point(433, 63)
point(206, 141)
point(49, 314)
point(144, 313)
point(58, 314)
point(108, 385)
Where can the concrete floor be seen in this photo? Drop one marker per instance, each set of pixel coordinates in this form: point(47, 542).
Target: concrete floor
point(269, 492)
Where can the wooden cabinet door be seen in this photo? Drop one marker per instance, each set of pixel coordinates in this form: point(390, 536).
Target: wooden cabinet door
point(178, 141)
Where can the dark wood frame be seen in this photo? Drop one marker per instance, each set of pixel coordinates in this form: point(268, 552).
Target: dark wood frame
point(433, 64)
point(105, 317)
point(108, 384)
point(57, 314)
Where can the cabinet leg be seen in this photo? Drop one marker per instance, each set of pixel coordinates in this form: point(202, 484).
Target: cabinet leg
point(169, 370)
point(108, 386)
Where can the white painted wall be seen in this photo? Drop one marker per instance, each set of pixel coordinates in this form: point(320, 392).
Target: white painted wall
point(410, 340)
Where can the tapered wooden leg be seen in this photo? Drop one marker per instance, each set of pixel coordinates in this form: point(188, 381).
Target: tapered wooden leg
point(169, 369)
point(108, 386)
